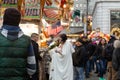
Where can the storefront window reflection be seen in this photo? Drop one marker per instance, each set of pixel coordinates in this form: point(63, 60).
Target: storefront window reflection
point(115, 23)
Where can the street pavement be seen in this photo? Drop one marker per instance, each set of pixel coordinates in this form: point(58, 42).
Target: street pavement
point(94, 76)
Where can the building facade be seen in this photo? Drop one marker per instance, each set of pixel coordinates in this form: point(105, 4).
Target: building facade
point(106, 15)
point(76, 24)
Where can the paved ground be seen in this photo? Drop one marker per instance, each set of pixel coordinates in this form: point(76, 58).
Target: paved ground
point(93, 76)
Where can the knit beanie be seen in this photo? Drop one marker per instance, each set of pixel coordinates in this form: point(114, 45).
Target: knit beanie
point(11, 17)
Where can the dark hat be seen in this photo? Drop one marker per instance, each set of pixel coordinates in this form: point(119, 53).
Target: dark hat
point(85, 37)
point(80, 40)
point(11, 17)
point(112, 39)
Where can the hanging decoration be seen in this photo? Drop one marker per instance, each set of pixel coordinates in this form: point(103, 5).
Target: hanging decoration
point(9, 3)
point(62, 3)
point(51, 11)
point(51, 15)
point(32, 9)
point(49, 2)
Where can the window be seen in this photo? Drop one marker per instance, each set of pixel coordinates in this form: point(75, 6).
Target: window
point(115, 22)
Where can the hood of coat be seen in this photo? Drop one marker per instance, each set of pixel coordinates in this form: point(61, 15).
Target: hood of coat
point(117, 44)
point(11, 32)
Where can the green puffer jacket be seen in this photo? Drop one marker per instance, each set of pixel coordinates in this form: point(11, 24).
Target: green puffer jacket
point(13, 58)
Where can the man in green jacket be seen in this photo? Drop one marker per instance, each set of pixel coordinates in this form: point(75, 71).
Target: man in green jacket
point(17, 60)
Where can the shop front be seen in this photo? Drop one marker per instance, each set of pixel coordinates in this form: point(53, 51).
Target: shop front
point(106, 16)
point(115, 22)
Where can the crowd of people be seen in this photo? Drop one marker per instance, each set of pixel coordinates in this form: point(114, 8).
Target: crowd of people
point(19, 54)
point(98, 55)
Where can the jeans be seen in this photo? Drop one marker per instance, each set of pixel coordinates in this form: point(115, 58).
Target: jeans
point(101, 67)
point(87, 68)
point(95, 63)
point(79, 73)
point(105, 65)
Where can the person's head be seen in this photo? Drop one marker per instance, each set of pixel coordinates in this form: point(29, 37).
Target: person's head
point(34, 37)
point(112, 39)
point(11, 17)
point(117, 44)
point(116, 33)
point(63, 38)
point(84, 38)
point(103, 41)
point(79, 42)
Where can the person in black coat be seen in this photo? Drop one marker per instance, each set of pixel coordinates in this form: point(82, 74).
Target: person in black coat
point(101, 61)
point(108, 55)
point(89, 59)
point(79, 60)
point(34, 39)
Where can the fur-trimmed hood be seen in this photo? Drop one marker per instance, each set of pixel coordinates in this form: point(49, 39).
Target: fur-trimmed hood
point(117, 44)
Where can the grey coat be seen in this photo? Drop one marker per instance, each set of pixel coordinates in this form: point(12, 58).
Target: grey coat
point(116, 59)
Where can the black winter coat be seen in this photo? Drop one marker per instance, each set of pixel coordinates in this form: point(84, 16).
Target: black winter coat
point(109, 51)
point(79, 56)
point(37, 57)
